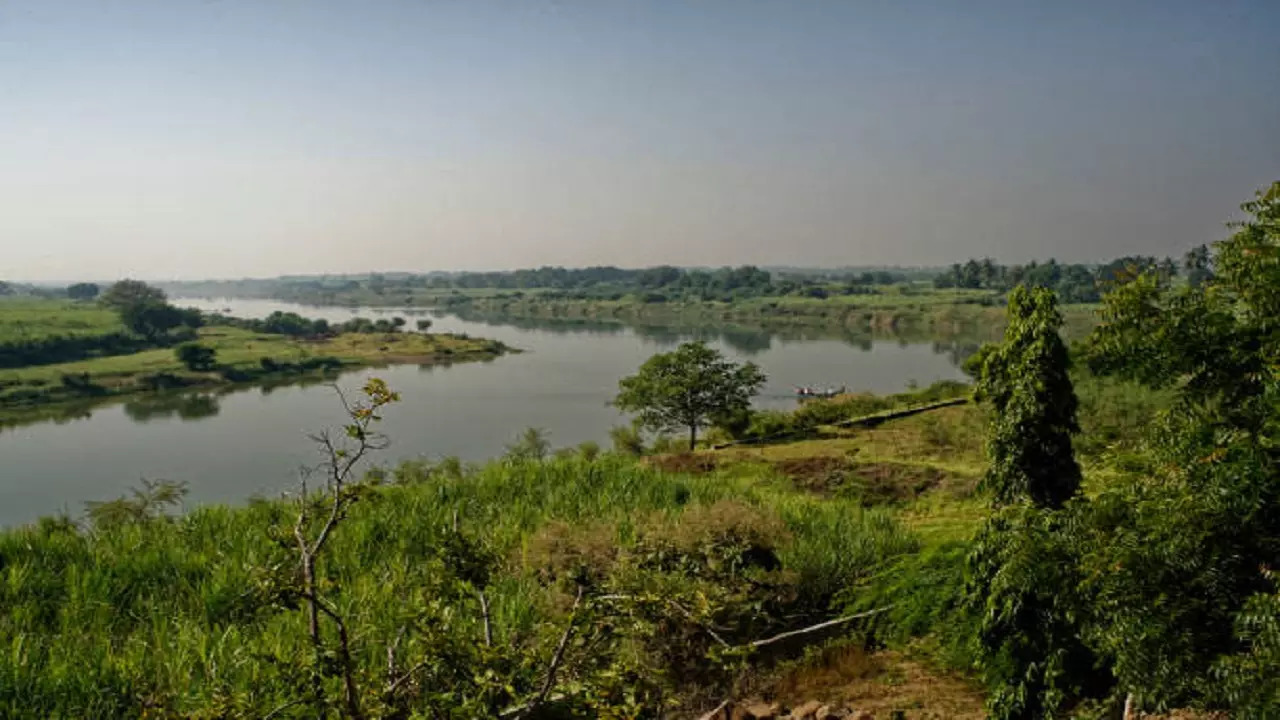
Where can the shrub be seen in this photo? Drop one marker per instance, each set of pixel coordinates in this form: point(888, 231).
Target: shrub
point(196, 357)
point(627, 440)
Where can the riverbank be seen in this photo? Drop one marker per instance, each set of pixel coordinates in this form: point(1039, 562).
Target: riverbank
point(933, 315)
point(663, 571)
point(241, 356)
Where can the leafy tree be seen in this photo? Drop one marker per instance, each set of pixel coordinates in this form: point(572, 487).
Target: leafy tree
point(424, 325)
point(687, 388)
point(196, 357)
point(83, 291)
point(1021, 565)
point(145, 309)
point(532, 444)
point(1178, 560)
point(151, 319)
point(132, 293)
point(1198, 265)
point(1025, 380)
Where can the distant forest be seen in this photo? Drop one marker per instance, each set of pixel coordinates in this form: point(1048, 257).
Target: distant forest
point(1074, 282)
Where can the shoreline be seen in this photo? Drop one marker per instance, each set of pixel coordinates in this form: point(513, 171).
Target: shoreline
point(64, 390)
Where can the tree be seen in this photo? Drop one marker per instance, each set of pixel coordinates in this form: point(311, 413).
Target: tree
point(132, 293)
point(1025, 380)
point(686, 388)
point(196, 357)
point(424, 325)
point(1178, 558)
point(1021, 568)
point(83, 291)
point(145, 309)
point(151, 319)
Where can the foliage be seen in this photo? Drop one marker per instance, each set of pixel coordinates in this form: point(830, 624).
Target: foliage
point(144, 503)
point(131, 293)
point(1179, 558)
point(200, 615)
point(1022, 571)
point(1034, 406)
point(83, 291)
point(627, 440)
point(146, 310)
point(686, 388)
point(1022, 584)
point(1073, 283)
point(196, 357)
point(531, 445)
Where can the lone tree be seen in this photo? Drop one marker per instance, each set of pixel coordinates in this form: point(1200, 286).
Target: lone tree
point(145, 309)
point(132, 293)
point(1025, 380)
point(83, 291)
point(688, 387)
point(1021, 568)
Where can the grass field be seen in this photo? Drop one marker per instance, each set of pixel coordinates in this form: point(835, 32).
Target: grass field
point(37, 319)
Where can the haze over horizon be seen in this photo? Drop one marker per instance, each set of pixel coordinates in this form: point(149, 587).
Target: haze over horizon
point(188, 139)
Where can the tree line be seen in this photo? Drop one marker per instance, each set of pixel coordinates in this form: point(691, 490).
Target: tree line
point(1074, 282)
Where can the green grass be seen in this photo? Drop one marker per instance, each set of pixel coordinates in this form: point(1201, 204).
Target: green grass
point(36, 319)
point(177, 618)
point(173, 614)
point(240, 351)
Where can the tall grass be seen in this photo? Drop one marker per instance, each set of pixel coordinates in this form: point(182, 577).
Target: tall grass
point(173, 616)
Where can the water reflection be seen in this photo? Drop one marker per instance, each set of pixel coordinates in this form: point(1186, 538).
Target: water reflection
point(234, 441)
point(185, 406)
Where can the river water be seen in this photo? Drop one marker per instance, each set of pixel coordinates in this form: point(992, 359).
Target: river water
point(252, 441)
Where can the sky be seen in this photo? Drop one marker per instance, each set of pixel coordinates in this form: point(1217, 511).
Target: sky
point(185, 139)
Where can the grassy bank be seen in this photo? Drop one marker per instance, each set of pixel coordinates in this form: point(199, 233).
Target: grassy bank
point(933, 314)
point(242, 356)
point(681, 562)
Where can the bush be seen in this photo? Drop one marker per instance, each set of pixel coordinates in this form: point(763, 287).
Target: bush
point(627, 440)
point(196, 357)
point(770, 423)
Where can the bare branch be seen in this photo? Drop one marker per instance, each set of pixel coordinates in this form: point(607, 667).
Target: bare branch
point(406, 677)
point(699, 623)
point(484, 611)
point(815, 628)
point(556, 658)
point(716, 712)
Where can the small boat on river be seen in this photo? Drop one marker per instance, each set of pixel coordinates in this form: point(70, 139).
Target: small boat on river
point(811, 393)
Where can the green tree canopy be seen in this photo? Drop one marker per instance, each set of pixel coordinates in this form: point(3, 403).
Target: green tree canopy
point(130, 293)
point(1021, 568)
point(196, 356)
point(83, 291)
point(1025, 380)
point(1179, 557)
point(686, 388)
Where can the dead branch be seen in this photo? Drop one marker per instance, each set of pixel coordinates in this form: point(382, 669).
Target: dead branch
point(484, 612)
point(716, 712)
point(815, 628)
point(556, 659)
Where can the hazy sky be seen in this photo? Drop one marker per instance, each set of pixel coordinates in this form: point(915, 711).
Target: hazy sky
point(231, 138)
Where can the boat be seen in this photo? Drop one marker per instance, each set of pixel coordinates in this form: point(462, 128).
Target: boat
point(806, 393)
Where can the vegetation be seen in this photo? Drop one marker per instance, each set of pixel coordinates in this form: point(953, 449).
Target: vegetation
point(55, 352)
point(688, 388)
point(584, 586)
point(1111, 548)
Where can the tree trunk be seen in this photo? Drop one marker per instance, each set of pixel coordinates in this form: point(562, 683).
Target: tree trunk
point(693, 437)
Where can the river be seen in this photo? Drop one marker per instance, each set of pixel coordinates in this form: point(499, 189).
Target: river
point(252, 441)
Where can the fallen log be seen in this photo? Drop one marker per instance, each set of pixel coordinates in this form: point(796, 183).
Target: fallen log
point(871, 420)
